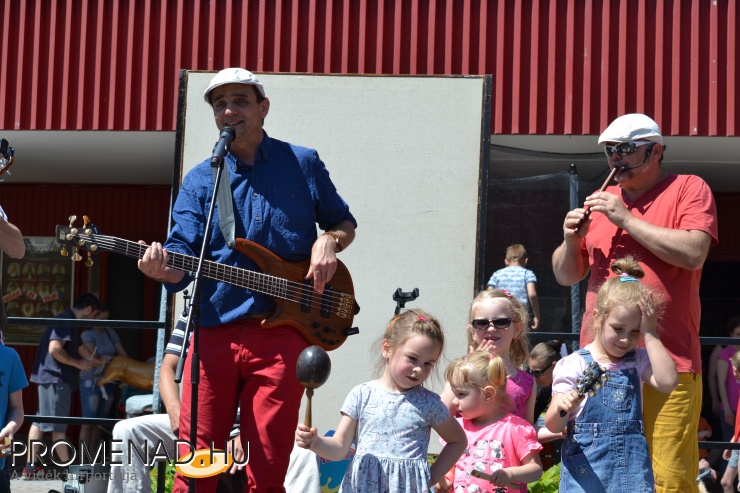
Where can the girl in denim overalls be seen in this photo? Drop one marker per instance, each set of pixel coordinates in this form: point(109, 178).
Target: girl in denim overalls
point(605, 449)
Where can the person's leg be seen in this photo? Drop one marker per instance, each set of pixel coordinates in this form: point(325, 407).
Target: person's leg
point(728, 478)
point(271, 398)
point(90, 401)
point(671, 423)
point(62, 405)
point(218, 390)
point(135, 441)
point(38, 455)
point(35, 435)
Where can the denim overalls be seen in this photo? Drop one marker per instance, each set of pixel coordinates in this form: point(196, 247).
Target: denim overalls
point(605, 449)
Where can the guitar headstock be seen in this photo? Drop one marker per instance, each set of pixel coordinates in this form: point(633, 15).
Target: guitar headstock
point(6, 157)
point(77, 238)
point(593, 378)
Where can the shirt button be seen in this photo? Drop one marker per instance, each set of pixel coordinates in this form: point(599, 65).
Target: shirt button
point(254, 194)
point(257, 218)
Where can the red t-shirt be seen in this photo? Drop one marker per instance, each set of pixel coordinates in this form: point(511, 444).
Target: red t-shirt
point(677, 202)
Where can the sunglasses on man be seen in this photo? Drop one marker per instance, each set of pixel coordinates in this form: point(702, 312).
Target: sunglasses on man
point(625, 148)
point(484, 323)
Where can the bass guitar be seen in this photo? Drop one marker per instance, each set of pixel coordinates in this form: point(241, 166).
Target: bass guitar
point(322, 319)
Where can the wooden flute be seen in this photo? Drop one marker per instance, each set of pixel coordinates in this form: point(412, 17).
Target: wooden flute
point(608, 180)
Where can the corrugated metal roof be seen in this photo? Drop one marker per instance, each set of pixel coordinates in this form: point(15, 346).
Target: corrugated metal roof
point(560, 67)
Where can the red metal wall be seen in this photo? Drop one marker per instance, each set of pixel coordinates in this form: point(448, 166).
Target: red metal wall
point(560, 66)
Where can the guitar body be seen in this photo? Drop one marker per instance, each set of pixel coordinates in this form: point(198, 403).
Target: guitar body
point(325, 328)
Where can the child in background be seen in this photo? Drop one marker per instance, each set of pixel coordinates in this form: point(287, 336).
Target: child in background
point(12, 382)
point(728, 387)
point(542, 361)
point(605, 448)
point(500, 444)
point(728, 478)
point(497, 323)
point(519, 281)
point(391, 418)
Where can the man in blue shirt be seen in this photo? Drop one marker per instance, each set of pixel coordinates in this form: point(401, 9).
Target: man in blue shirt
point(280, 193)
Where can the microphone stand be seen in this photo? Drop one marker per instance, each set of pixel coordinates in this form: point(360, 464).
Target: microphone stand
point(193, 320)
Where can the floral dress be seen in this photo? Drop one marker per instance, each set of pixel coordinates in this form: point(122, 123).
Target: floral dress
point(393, 432)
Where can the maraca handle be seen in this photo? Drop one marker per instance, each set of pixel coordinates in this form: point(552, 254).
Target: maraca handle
point(307, 418)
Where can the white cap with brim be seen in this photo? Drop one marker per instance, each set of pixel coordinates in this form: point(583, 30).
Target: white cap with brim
point(233, 76)
point(630, 128)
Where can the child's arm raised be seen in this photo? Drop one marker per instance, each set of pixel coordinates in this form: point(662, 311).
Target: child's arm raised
point(456, 442)
point(332, 448)
point(662, 374)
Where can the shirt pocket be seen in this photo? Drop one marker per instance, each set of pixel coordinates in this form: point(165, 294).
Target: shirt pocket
point(291, 209)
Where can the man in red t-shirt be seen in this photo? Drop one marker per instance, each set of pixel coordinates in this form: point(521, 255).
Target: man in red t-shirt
point(667, 222)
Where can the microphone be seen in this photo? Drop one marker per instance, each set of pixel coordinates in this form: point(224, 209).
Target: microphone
point(225, 138)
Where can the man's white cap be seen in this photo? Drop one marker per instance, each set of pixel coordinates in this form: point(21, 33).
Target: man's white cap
point(632, 127)
point(233, 76)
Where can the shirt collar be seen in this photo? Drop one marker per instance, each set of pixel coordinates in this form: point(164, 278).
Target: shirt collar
point(263, 153)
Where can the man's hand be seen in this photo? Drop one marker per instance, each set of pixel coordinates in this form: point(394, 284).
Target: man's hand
point(154, 264)
point(610, 205)
point(237, 451)
point(323, 262)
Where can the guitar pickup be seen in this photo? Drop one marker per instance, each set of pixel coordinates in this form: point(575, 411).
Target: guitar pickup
point(326, 301)
point(306, 294)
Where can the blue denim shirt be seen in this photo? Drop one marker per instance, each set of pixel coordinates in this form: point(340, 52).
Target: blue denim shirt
point(277, 203)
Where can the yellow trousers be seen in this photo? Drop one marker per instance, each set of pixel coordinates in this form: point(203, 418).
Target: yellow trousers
point(671, 426)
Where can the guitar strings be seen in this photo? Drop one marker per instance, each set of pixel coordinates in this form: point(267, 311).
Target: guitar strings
point(338, 302)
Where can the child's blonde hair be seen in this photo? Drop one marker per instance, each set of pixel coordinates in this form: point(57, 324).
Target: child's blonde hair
point(481, 369)
point(409, 323)
point(519, 350)
point(735, 360)
point(623, 290)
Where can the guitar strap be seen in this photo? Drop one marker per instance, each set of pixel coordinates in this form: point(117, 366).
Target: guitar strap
point(225, 205)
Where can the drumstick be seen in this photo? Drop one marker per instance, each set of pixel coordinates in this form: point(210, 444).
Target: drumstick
point(488, 477)
point(587, 212)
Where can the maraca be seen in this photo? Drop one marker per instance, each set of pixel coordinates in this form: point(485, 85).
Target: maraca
point(313, 368)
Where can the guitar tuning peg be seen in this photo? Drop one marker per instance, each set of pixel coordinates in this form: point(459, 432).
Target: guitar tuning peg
point(72, 219)
point(64, 251)
point(85, 221)
point(76, 257)
point(89, 262)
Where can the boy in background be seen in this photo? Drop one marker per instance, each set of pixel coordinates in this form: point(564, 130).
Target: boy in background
point(519, 281)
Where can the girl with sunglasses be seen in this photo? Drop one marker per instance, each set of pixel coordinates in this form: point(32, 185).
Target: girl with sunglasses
point(605, 448)
point(501, 446)
point(498, 323)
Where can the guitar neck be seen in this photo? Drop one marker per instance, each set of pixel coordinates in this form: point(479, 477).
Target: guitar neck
point(237, 276)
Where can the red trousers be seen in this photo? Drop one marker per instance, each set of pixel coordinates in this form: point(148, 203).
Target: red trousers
point(242, 363)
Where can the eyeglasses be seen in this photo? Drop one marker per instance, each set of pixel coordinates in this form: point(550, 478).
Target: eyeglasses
point(625, 148)
point(483, 323)
point(536, 373)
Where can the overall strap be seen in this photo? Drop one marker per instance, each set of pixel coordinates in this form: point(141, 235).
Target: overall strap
point(225, 204)
point(586, 355)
